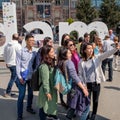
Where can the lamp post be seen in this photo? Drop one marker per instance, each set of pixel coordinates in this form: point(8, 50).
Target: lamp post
point(69, 9)
point(21, 17)
point(44, 10)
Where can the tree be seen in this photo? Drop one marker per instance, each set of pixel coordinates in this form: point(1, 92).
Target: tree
point(85, 12)
point(70, 20)
point(110, 13)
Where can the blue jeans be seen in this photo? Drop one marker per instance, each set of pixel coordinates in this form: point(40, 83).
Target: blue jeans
point(85, 113)
point(108, 61)
point(12, 79)
point(22, 90)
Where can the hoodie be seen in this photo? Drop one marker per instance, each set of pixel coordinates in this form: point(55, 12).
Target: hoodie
point(10, 52)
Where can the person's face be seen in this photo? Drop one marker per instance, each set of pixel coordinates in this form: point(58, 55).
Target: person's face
point(69, 55)
point(71, 46)
point(50, 42)
point(110, 32)
point(30, 42)
point(94, 45)
point(89, 51)
point(87, 39)
point(51, 53)
point(66, 37)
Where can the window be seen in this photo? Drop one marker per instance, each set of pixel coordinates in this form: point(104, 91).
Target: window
point(73, 4)
point(57, 2)
point(66, 2)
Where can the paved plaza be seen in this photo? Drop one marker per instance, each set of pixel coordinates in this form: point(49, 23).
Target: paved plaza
point(109, 102)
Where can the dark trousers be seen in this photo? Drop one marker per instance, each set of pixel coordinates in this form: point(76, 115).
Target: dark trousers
point(42, 114)
point(22, 90)
point(94, 90)
point(108, 61)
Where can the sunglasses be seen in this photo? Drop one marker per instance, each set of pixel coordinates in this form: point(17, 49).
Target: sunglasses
point(72, 45)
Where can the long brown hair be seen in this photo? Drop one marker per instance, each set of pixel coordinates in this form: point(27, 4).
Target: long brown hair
point(62, 57)
point(45, 57)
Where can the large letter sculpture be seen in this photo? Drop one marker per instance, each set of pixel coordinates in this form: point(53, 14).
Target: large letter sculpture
point(82, 28)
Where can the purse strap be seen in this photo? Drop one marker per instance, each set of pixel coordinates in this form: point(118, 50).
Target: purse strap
point(66, 73)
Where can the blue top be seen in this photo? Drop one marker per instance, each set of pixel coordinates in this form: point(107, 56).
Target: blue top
point(24, 61)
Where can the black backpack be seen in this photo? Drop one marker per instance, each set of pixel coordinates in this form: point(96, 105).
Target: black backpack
point(35, 85)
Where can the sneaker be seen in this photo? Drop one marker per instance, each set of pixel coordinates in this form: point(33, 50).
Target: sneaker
point(30, 110)
point(19, 118)
point(115, 69)
point(12, 94)
point(7, 95)
point(108, 80)
point(93, 117)
point(64, 105)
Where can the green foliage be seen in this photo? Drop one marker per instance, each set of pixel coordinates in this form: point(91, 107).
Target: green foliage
point(85, 12)
point(70, 20)
point(110, 13)
point(74, 36)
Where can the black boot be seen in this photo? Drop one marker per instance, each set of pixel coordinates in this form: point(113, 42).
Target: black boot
point(93, 117)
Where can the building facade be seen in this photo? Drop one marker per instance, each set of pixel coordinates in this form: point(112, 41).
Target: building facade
point(50, 11)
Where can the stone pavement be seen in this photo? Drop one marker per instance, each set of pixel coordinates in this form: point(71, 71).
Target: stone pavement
point(108, 109)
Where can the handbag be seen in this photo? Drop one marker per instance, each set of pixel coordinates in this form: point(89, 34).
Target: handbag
point(62, 84)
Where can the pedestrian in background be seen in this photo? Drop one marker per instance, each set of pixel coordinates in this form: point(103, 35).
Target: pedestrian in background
point(24, 60)
point(115, 57)
point(107, 45)
point(10, 59)
point(84, 42)
point(111, 35)
point(46, 41)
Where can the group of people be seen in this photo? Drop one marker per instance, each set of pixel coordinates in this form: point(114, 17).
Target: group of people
point(83, 63)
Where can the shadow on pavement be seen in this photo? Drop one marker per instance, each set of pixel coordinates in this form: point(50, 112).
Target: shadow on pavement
point(112, 87)
point(62, 113)
point(98, 117)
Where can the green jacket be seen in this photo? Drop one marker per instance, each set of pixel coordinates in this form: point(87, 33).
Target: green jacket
point(46, 77)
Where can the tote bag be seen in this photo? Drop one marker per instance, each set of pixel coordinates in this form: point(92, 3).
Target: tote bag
point(62, 85)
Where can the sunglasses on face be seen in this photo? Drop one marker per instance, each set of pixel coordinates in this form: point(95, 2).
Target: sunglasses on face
point(72, 45)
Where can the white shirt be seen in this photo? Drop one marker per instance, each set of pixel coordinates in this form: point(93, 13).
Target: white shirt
point(10, 52)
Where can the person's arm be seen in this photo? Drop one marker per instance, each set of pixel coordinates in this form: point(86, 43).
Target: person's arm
point(5, 54)
point(105, 55)
point(18, 66)
point(80, 75)
point(74, 76)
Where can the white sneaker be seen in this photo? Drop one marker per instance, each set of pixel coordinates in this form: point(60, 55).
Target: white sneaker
point(115, 69)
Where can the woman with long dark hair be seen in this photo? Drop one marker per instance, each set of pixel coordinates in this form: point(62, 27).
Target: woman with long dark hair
point(47, 99)
point(64, 38)
point(75, 101)
point(69, 43)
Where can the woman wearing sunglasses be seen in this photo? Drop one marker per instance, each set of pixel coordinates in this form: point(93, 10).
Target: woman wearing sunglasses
point(75, 56)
